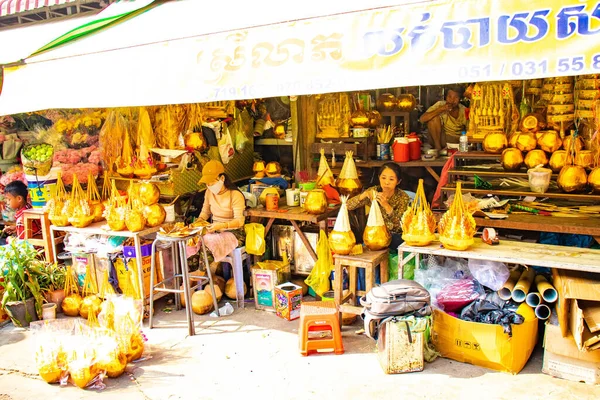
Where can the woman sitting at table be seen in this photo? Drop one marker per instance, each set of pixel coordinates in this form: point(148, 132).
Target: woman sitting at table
point(392, 200)
point(223, 207)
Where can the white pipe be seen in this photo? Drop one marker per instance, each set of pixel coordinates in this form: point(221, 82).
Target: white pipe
point(533, 299)
point(543, 312)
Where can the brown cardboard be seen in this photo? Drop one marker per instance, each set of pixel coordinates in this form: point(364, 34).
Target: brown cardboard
point(584, 339)
point(556, 344)
point(571, 369)
point(573, 285)
point(591, 314)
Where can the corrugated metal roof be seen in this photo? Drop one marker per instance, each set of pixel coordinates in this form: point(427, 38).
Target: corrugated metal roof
point(11, 7)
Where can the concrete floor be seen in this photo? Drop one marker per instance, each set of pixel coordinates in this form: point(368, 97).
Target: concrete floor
point(254, 354)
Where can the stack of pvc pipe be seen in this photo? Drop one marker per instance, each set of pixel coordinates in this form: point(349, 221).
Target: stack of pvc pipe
point(519, 288)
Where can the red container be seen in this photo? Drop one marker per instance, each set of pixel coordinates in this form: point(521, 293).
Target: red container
point(414, 147)
point(401, 150)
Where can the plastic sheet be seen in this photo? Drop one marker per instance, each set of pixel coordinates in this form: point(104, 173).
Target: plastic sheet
point(255, 239)
point(490, 274)
point(459, 294)
point(487, 312)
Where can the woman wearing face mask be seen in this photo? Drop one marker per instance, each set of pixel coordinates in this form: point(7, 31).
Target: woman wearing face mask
point(223, 201)
point(392, 200)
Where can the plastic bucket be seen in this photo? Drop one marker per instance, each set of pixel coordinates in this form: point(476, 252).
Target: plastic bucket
point(40, 187)
point(307, 186)
point(328, 296)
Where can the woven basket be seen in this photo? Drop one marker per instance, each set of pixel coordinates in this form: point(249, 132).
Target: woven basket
point(32, 167)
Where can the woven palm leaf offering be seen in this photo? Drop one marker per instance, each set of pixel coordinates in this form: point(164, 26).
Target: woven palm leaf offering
point(77, 207)
point(94, 200)
point(56, 204)
point(418, 222)
point(341, 238)
point(115, 210)
point(348, 183)
point(324, 174)
point(457, 225)
point(376, 235)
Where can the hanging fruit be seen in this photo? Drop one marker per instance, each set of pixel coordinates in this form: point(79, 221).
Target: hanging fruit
point(572, 178)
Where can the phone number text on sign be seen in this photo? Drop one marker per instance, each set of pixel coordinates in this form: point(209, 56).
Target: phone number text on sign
point(577, 64)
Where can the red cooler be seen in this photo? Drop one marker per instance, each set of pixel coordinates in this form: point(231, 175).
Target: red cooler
point(414, 146)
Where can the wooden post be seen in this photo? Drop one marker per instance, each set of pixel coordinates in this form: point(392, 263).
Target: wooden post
point(307, 130)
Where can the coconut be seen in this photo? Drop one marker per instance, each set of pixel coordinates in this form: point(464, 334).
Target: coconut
point(494, 142)
point(71, 304)
point(549, 141)
point(572, 178)
point(50, 372)
point(149, 193)
point(535, 158)
point(558, 160)
point(135, 221)
point(219, 281)
point(114, 366)
point(218, 292)
point(155, 215)
point(512, 159)
point(376, 235)
point(568, 142)
point(115, 221)
point(97, 209)
point(230, 289)
point(341, 238)
point(526, 141)
point(273, 169)
point(89, 304)
point(202, 302)
point(584, 158)
point(594, 179)
point(348, 183)
point(136, 346)
point(81, 373)
point(316, 202)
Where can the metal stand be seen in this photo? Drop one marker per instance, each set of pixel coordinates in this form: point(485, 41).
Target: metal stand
point(180, 273)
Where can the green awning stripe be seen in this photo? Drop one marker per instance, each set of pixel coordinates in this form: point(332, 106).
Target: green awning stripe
point(92, 27)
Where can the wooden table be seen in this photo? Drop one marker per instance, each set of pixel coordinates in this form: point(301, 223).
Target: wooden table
point(428, 165)
point(294, 215)
point(101, 228)
point(511, 252)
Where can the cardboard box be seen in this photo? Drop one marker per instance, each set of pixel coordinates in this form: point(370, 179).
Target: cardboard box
point(578, 309)
point(288, 300)
point(562, 358)
point(396, 353)
point(264, 282)
point(484, 345)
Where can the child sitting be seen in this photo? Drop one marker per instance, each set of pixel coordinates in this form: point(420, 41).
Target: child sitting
point(17, 199)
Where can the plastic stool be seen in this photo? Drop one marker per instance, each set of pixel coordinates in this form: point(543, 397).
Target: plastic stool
point(319, 316)
point(180, 272)
point(236, 259)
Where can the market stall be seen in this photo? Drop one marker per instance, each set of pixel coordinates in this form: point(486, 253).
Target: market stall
point(344, 112)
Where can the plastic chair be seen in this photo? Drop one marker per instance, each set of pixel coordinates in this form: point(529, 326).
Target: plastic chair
point(319, 316)
point(236, 259)
point(180, 278)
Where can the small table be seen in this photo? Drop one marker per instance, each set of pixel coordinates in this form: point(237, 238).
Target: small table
point(100, 228)
point(369, 260)
point(294, 215)
point(428, 165)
